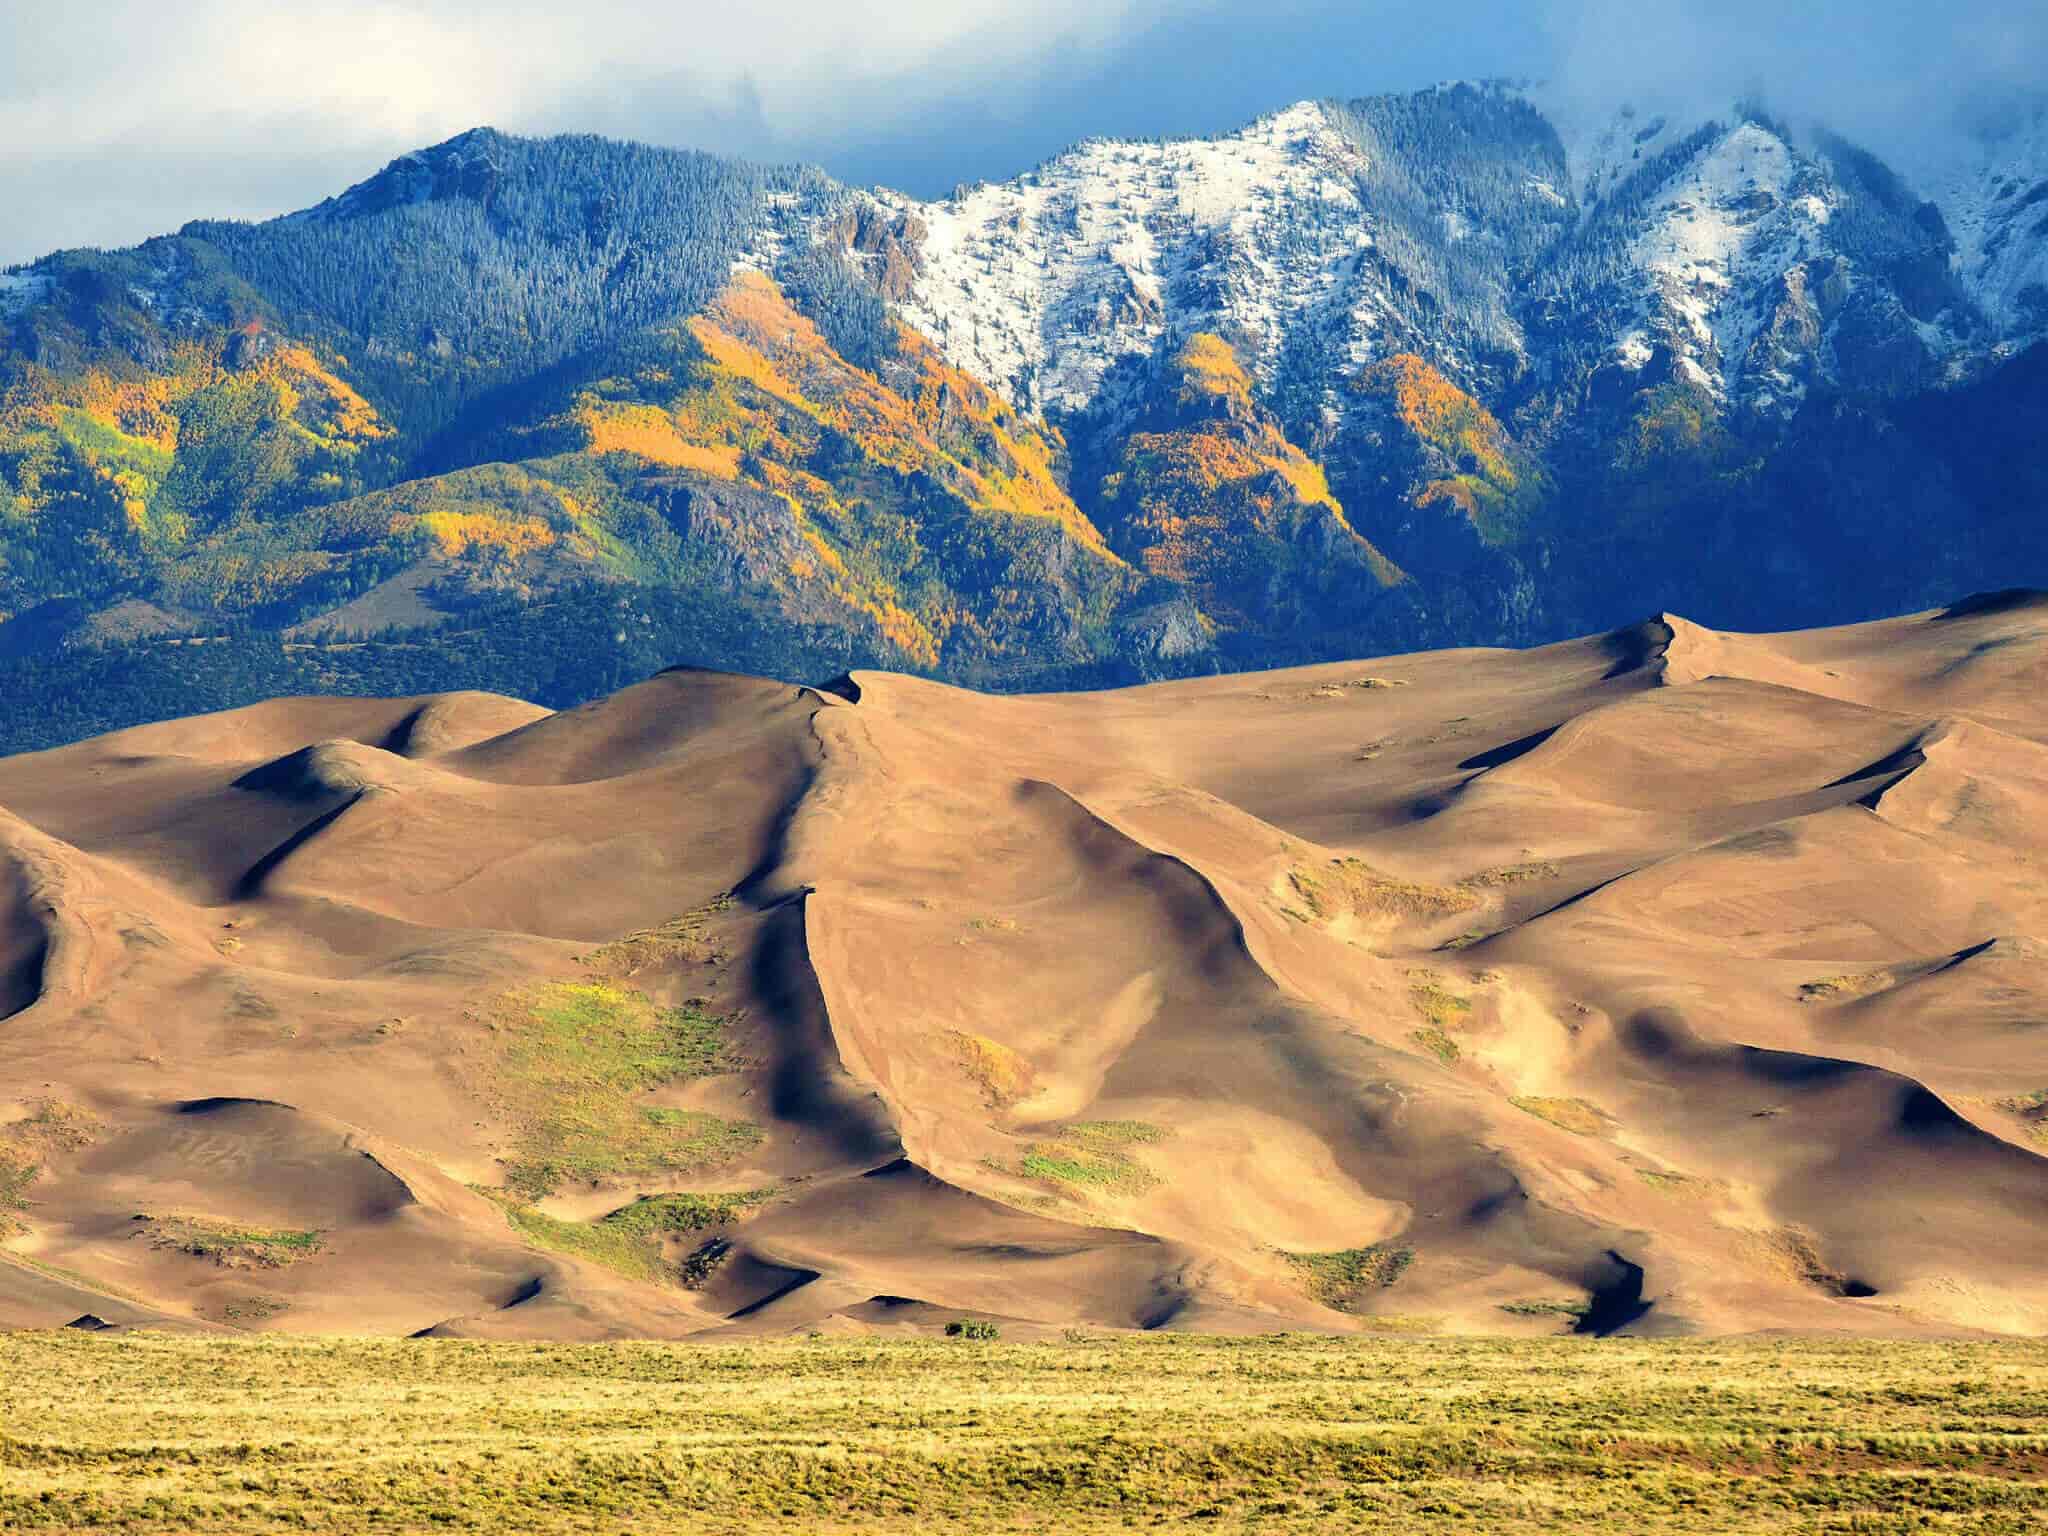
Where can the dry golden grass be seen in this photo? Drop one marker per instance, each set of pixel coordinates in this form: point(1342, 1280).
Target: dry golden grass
point(1682, 1186)
point(1442, 1011)
point(1277, 1434)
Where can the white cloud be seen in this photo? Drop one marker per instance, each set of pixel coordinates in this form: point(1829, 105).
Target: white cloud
point(125, 118)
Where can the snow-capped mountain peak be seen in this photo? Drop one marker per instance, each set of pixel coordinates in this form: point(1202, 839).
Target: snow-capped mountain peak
point(1042, 284)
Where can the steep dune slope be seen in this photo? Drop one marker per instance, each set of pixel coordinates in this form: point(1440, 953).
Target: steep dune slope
point(1665, 980)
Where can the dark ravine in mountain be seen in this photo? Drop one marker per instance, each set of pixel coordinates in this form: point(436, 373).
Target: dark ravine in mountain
point(1455, 367)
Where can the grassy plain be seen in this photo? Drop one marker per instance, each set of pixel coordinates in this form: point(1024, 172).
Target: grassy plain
point(1280, 1434)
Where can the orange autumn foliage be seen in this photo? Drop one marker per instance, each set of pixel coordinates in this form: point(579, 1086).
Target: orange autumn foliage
point(1191, 496)
point(1209, 368)
point(460, 533)
point(1444, 416)
point(652, 434)
point(928, 417)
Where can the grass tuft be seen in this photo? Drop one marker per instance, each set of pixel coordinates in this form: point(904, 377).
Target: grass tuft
point(1441, 1010)
point(1792, 1253)
point(2032, 1109)
point(1513, 874)
point(1437, 1004)
point(1679, 1185)
point(1842, 989)
point(1437, 1043)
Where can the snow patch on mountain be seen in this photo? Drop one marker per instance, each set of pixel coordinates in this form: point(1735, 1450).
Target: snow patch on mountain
point(1993, 195)
point(1721, 236)
point(18, 290)
point(1741, 257)
point(1603, 144)
point(1041, 285)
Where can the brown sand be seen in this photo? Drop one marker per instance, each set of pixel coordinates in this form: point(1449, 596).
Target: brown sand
point(1694, 979)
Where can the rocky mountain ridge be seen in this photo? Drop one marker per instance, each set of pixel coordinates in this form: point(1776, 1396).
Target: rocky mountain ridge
point(1735, 246)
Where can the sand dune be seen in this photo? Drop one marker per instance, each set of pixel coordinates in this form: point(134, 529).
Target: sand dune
point(1666, 980)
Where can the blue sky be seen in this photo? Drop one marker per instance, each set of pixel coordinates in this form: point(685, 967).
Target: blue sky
point(127, 117)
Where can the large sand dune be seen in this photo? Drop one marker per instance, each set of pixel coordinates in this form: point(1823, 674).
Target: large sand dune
point(1667, 980)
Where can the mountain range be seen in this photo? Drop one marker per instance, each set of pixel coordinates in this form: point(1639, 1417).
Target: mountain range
point(1461, 366)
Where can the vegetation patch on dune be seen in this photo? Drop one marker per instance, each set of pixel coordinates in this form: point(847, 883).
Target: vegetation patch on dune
point(69, 1276)
point(999, 1072)
point(51, 1127)
point(1114, 1133)
point(1350, 887)
point(1514, 874)
point(572, 1061)
point(638, 1240)
point(15, 1179)
point(1793, 1253)
point(1368, 684)
point(245, 1310)
point(1570, 1309)
point(1442, 1011)
point(1438, 1042)
point(2031, 1108)
point(233, 1245)
point(1842, 989)
point(1574, 1115)
point(1095, 1154)
point(685, 939)
point(1435, 1002)
point(1680, 1185)
point(1338, 1279)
